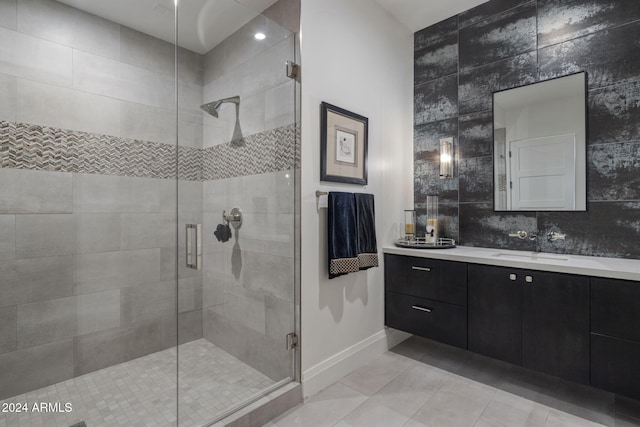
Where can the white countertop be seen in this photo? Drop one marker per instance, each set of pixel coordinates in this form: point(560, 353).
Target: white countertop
point(615, 268)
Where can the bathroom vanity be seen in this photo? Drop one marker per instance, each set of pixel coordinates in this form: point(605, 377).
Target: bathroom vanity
point(574, 317)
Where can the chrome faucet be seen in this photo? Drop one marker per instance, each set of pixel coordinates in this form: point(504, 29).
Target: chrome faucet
point(519, 234)
point(554, 235)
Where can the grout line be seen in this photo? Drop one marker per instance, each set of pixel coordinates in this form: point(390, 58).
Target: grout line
point(469, 70)
point(537, 44)
point(606, 144)
point(487, 18)
point(418, 85)
point(456, 167)
point(621, 83)
point(615, 27)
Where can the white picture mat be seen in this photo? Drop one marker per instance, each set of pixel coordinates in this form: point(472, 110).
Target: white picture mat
point(346, 124)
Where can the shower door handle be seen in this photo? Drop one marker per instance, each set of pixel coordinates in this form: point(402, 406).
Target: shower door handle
point(194, 246)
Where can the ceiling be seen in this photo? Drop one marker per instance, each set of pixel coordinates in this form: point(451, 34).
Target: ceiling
point(203, 24)
point(419, 14)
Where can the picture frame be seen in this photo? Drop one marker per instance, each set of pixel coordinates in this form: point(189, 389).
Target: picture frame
point(343, 145)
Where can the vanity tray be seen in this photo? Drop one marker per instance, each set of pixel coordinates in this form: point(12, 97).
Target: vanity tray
point(421, 243)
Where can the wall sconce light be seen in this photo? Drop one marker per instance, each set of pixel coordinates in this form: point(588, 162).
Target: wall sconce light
point(446, 158)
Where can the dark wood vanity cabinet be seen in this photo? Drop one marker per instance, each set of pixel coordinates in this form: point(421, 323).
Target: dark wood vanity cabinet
point(615, 336)
point(580, 328)
point(427, 297)
point(535, 319)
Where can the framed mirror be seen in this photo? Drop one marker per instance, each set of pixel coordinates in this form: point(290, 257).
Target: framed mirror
point(539, 140)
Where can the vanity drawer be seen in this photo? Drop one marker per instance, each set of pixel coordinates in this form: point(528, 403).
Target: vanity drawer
point(423, 277)
point(614, 365)
point(440, 321)
point(615, 308)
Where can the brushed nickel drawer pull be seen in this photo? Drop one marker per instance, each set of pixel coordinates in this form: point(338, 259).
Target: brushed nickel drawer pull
point(421, 268)
point(417, 307)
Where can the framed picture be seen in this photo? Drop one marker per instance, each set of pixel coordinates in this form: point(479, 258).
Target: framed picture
point(343, 145)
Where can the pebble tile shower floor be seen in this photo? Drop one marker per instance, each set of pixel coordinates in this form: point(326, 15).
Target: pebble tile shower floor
point(142, 392)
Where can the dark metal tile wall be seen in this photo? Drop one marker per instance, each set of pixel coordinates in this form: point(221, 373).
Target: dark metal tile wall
point(501, 44)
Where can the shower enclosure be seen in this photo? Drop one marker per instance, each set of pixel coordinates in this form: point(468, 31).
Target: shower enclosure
point(119, 304)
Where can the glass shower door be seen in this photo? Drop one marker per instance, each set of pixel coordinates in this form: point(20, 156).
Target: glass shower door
point(88, 213)
point(114, 304)
point(237, 166)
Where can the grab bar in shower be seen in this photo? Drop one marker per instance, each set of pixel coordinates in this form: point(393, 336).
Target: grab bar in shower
point(194, 246)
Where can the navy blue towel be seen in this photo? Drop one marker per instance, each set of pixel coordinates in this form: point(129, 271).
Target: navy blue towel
point(366, 220)
point(351, 233)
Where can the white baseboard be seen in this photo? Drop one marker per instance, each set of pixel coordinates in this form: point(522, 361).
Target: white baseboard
point(331, 370)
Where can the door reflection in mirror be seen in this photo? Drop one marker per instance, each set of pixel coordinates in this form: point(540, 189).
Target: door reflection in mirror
point(540, 146)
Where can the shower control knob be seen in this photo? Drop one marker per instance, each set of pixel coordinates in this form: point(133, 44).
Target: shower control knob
point(234, 218)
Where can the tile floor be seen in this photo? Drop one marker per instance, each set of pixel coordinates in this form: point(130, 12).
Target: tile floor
point(422, 383)
point(142, 392)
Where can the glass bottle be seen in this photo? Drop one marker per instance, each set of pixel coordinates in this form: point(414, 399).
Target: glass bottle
point(431, 235)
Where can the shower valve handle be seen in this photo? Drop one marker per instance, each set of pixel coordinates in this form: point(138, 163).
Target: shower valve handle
point(234, 217)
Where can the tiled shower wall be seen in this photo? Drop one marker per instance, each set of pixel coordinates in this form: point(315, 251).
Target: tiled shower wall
point(501, 44)
point(248, 288)
point(88, 194)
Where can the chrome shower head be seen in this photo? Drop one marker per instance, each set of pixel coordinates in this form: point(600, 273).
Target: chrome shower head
point(212, 107)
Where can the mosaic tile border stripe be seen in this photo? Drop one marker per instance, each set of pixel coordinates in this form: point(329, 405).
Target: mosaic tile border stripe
point(263, 152)
point(35, 147)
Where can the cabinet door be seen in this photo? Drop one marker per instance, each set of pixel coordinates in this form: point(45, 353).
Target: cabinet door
point(495, 312)
point(555, 325)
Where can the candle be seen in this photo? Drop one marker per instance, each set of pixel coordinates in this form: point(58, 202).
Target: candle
point(409, 224)
point(409, 228)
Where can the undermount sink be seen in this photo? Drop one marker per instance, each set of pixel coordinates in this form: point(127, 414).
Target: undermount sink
point(531, 256)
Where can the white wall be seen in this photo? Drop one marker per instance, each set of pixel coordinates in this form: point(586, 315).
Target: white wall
point(356, 56)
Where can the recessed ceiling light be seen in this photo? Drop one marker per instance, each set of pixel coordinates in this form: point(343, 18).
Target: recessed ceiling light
point(260, 36)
